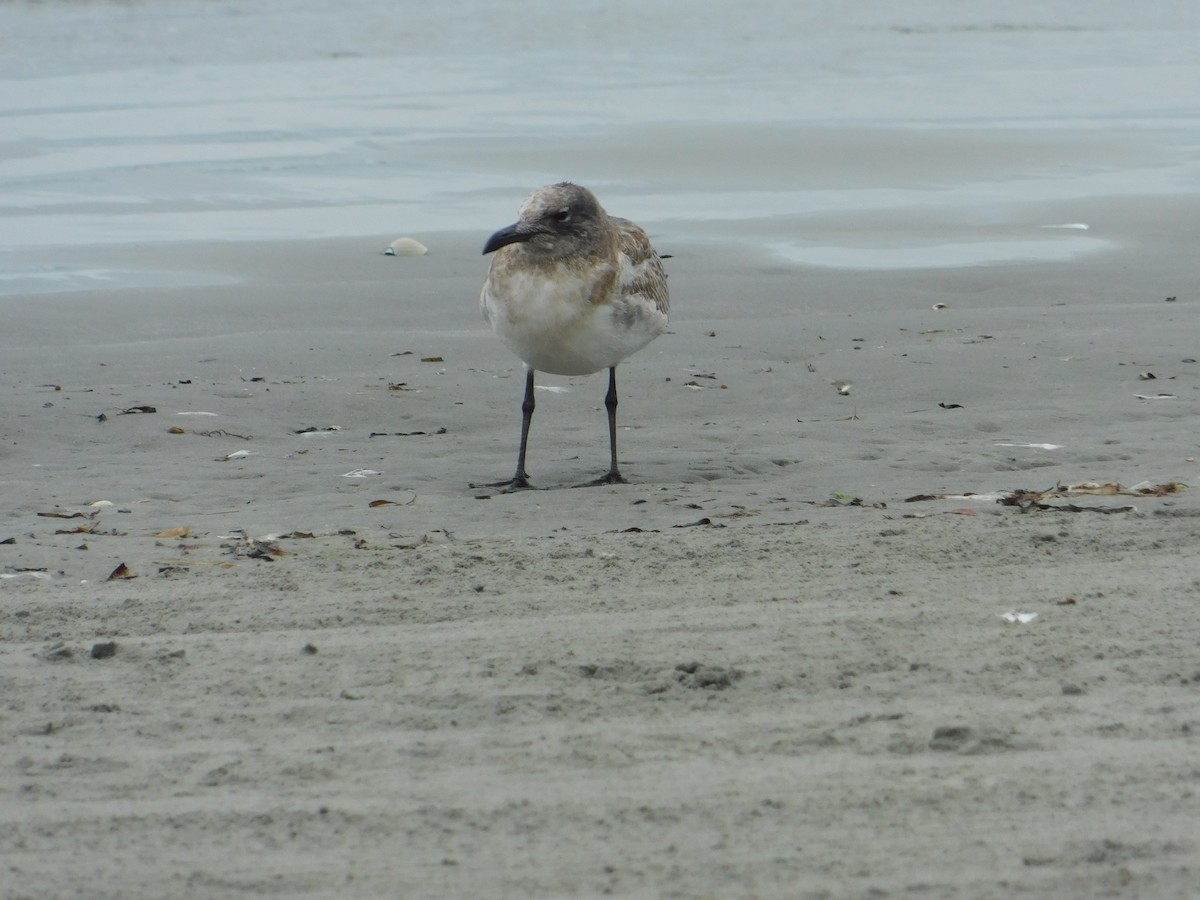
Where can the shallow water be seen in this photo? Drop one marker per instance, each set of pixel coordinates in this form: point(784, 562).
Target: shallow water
point(857, 135)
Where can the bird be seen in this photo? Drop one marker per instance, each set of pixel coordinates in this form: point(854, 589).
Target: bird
point(572, 290)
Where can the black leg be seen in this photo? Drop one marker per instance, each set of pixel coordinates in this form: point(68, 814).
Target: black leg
point(521, 478)
point(613, 475)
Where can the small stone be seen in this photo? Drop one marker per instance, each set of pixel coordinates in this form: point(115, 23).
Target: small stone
point(104, 650)
point(950, 737)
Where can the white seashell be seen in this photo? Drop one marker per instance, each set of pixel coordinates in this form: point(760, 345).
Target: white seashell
point(405, 246)
point(101, 504)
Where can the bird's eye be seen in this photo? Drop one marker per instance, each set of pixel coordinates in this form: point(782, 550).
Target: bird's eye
point(562, 215)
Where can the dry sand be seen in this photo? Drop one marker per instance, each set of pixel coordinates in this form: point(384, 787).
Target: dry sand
point(756, 671)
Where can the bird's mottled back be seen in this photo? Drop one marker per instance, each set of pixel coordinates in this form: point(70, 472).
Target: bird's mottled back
point(645, 275)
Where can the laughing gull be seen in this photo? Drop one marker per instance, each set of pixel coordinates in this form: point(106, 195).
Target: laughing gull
point(573, 290)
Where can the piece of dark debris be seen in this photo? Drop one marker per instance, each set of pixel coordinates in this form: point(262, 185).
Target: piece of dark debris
point(706, 522)
point(375, 434)
point(120, 572)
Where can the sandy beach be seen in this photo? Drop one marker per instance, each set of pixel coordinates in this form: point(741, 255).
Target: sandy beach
point(900, 598)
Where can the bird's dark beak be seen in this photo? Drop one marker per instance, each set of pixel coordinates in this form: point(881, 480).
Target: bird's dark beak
point(511, 235)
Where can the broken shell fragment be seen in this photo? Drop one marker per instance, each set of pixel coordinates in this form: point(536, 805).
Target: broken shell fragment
point(405, 246)
point(1022, 618)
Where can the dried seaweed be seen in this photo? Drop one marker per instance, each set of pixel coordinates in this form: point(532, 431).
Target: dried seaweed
point(1027, 500)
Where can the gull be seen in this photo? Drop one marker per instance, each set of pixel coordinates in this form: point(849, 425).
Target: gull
point(572, 290)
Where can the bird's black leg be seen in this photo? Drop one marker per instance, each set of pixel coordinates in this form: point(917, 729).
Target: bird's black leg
point(613, 475)
point(520, 480)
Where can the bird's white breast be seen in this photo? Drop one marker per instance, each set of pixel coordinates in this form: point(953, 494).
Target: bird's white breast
point(552, 318)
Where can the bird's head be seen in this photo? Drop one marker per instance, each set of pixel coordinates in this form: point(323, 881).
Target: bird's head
point(555, 222)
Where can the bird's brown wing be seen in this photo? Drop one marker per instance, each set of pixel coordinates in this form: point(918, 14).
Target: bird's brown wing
point(645, 275)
